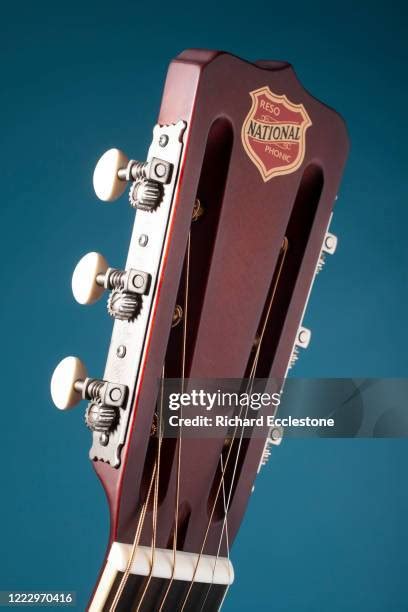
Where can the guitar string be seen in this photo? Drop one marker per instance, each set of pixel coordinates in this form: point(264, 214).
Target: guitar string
point(225, 520)
point(226, 508)
point(144, 507)
point(220, 542)
point(252, 375)
point(228, 551)
point(135, 545)
point(284, 250)
point(255, 364)
point(183, 373)
point(156, 492)
point(209, 522)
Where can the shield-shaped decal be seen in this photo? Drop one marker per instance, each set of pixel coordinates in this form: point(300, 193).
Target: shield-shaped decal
point(274, 133)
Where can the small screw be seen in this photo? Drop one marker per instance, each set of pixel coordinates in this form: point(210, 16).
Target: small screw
point(143, 240)
point(163, 140)
point(198, 210)
point(275, 434)
point(104, 439)
point(160, 170)
point(138, 281)
point(115, 394)
point(121, 351)
point(177, 315)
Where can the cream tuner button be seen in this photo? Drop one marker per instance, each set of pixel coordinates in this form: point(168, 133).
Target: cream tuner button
point(89, 270)
point(67, 381)
point(107, 183)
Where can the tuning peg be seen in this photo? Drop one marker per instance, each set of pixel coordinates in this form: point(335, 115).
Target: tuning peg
point(70, 384)
point(88, 278)
point(107, 183)
point(302, 341)
point(67, 382)
point(303, 337)
point(92, 276)
point(114, 170)
point(329, 243)
point(329, 247)
point(274, 438)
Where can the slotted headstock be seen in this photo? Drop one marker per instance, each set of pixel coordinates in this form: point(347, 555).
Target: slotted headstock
point(233, 209)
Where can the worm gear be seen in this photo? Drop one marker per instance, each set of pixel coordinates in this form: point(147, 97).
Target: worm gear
point(123, 305)
point(100, 418)
point(145, 194)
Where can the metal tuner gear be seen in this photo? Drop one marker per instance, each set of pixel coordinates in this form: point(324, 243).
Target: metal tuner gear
point(100, 418)
point(145, 194)
point(123, 305)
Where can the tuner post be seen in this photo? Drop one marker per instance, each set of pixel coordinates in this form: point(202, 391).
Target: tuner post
point(92, 276)
point(329, 247)
point(302, 341)
point(115, 170)
point(70, 384)
point(330, 243)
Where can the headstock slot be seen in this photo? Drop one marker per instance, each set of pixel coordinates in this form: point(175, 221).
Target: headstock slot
point(286, 272)
point(210, 192)
point(272, 320)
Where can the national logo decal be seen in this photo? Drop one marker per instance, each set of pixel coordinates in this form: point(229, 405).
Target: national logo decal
point(274, 133)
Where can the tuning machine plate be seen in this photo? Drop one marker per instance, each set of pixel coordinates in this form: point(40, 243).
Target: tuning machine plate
point(145, 254)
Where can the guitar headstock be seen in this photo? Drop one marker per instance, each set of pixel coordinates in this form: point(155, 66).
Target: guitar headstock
point(233, 207)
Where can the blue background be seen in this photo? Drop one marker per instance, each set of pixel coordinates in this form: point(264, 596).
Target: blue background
point(326, 528)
